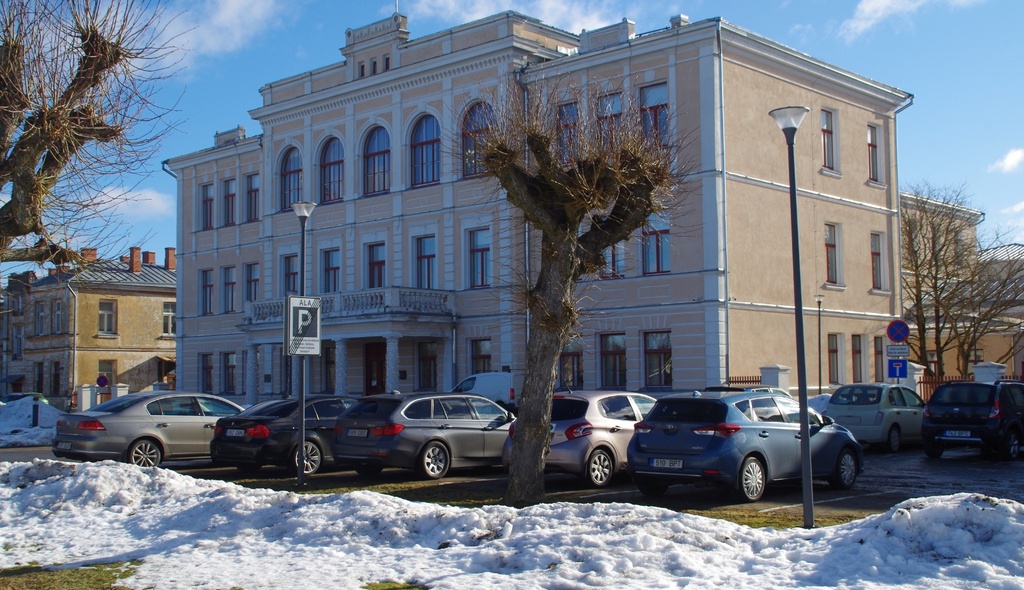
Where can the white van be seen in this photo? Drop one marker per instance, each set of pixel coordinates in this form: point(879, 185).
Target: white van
point(499, 386)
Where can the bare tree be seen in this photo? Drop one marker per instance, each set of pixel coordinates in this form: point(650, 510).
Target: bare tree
point(586, 175)
point(77, 86)
point(954, 295)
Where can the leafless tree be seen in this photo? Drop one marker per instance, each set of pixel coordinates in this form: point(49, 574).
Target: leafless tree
point(954, 294)
point(78, 80)
point(586, 176)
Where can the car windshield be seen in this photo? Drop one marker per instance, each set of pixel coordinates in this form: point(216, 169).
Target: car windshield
point(378, 408)
point(567, 409)
point(856, 396)
point(688, 410)
point(968, 394)
point(275, 408)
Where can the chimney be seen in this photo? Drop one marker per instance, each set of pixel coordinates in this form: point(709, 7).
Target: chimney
point(89, 254)
point(170, 262)
point(134, 259)
point(149, 258)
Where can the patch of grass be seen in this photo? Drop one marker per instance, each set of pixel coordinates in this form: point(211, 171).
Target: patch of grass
point(93, 577)
point(393, 586)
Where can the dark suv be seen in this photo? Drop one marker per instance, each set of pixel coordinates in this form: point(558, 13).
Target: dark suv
point(969, 414)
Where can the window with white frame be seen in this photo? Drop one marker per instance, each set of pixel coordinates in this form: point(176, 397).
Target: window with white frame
point(614, 265)
point(169, 319)
point(40, 323)
point(877, 262)
point(479, 258)
point(57, 317)
point(832, 274)
point(874, 154)
point(108, 317)
point(426, 262)
point(828, 140)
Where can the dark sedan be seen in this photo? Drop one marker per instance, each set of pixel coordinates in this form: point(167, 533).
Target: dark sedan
point(268, 434)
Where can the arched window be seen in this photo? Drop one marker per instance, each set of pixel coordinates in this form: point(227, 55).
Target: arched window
point(426, 151)
point(377, 162)
point(332, 171)
point(291, 178)
point(478, 119)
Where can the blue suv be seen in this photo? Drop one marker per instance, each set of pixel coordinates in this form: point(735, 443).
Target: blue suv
point(971, 414)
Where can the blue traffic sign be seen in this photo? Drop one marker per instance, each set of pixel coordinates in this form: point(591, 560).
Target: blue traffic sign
point(898, 368)
point(898, 331)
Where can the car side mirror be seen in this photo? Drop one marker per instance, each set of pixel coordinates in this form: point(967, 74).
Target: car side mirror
point(827, 420)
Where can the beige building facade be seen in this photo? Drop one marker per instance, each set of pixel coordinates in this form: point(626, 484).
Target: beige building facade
point(419, 260)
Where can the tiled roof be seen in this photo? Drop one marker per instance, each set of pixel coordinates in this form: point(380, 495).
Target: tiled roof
point(114, 273)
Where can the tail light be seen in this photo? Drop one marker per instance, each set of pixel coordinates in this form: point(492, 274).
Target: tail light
point(258, 431)
point(512, 429)
point(642, 427)
point(722, 428)
point(217, 431)
point(91, 425)
point(993, 412)
point(927, 411)
point(389, 429)
point(511, 394)
point(879, 417)
point(579, 430)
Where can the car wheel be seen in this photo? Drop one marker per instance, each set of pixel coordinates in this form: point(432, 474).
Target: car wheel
point(892, 440)
point(845, 474)
point(369, 470)
point(598, 469)
point(752, 479)
point(651, 489)
point(313, 459)
point(434, 460)
point(933, 449)
point(145, 453)
point(1011, 445)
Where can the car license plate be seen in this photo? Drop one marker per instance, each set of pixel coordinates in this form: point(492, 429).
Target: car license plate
point(667, 463)
point(358, 433)
point(958, 433)
point(236, 432)
point(64, 446)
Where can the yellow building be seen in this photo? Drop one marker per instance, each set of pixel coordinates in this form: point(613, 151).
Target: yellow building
point(111, 322)
point(419, 260)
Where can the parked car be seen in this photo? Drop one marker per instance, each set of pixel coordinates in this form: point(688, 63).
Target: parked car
point(268, 434)
point(590, 431)
point(878, 413)
point(428, 432)
point(498, 386)
point(13, 397)
point(143, 429)
point(970, 414)
point(740, 440)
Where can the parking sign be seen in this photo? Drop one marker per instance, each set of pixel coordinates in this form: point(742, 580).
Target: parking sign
point(302, 326)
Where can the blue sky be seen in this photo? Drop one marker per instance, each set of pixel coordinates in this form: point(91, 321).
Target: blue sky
point(959, 58)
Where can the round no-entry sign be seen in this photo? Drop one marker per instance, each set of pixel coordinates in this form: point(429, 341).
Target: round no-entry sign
point(898, 331)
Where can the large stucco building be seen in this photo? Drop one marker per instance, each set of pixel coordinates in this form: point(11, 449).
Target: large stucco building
point(418, 259)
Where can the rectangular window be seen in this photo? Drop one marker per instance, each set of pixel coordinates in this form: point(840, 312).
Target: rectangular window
point(206, 206)
point(252, 197)
point(658, 359)
point(879, 363)
point(656, 246)
point(874, 155)
point(19, 342)
point(570, 364)
point(426, 366)
point(55, 378)
point(290, 274)
point(375, 266)
point(169, 319)
point(206, 373)
point(39, 370)
point(833, 358)
point(613, 360)
point(857, 358)
point(108, 317)
point(877, 276)
point(479, 258)
point(57, 317)
point(654, 111)
point(205, 292)
point(40, 323)
point(828, 151)
point(331, 281)
point(426, 262)
point(614, 261)
point(568, 122)
point(480, 355)
point(608, 115)
point(252, 282)
point(229, 281)
point(831, 254)
point(228, 214)
point(228, 365)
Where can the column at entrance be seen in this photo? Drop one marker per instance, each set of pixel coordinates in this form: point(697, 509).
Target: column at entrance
point(391, 365)
point(341, 367)
point(253, 384)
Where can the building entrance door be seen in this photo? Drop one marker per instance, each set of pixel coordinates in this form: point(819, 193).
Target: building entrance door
point(376, 359)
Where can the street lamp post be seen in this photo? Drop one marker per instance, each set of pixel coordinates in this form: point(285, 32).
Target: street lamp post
point(789, 119)
point(302, 210)
point(819, 298)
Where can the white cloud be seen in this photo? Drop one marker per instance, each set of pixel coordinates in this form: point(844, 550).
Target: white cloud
point(871, 12)
point(570, 15)
point(212, 27)
point(143, 205)
point(1011, 162)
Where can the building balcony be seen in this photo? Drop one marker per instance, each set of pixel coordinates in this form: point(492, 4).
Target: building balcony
point(391, 301)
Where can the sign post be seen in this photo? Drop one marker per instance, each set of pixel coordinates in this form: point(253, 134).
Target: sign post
point(302, 338)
